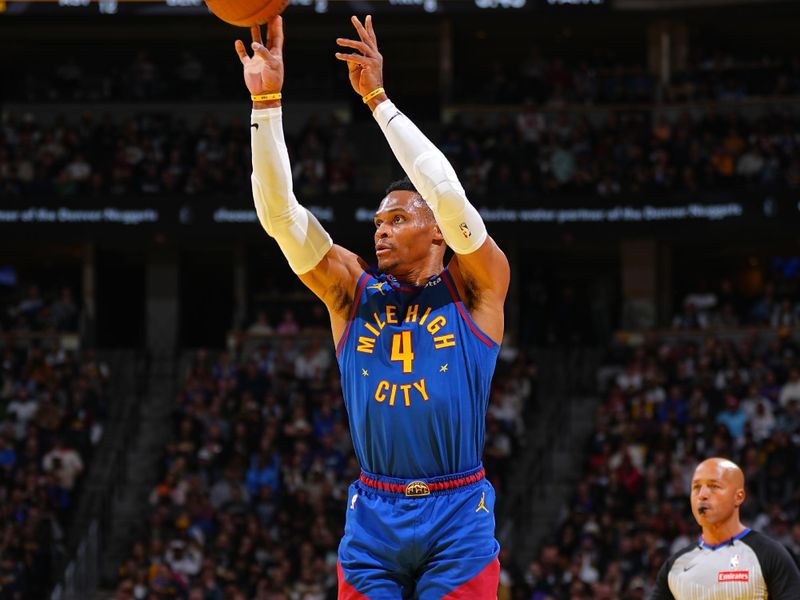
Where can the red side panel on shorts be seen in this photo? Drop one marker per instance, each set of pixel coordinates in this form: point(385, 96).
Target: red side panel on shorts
point(481, 587)
point(347, 591)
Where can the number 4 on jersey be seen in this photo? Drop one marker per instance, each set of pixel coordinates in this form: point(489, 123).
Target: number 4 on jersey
point(401, 349)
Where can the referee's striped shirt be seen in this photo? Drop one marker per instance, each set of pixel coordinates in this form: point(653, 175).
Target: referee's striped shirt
point(749, 566)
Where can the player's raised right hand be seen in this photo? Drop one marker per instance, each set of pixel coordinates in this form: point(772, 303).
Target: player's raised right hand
point(263, 72)
point(365, 65)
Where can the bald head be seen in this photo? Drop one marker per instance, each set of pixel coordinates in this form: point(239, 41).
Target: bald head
point(717, 492)
point(722, 469)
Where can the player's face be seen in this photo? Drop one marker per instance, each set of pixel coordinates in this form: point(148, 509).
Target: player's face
point(404, 231)
point(715, 494)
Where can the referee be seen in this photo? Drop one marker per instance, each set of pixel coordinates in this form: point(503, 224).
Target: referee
point(729, 561)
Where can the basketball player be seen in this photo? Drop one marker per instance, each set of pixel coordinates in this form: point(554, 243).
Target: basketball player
point(416, 344)
point(729, 561)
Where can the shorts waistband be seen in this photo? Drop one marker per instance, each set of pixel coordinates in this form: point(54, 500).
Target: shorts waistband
point(424, 486)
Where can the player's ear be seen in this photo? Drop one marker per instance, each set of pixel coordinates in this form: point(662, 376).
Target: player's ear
point(437, 234)
point(740, 497)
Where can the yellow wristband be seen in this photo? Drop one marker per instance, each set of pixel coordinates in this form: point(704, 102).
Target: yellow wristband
point(372, 94)
point(265, 97)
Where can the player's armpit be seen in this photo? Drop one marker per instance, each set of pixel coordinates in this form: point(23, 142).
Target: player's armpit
point(334, 279)
point(482, 278)
point(486, 269)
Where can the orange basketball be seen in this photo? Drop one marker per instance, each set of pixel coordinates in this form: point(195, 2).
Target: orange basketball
point(245, 13)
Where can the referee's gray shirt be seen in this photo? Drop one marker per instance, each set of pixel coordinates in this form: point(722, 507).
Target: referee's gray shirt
point(749, 566)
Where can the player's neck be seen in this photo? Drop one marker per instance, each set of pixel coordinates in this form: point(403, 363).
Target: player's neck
point(417, 275)
point(719, 533)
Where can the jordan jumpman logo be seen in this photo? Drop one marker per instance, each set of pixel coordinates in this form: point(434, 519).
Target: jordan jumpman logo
point(482, 504)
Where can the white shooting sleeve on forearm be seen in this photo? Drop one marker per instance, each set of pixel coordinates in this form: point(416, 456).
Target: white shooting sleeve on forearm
point(433, 176)
point(300, 236)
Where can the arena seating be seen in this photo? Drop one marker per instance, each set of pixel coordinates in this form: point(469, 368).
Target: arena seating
point(611, 153)
point(53, 404)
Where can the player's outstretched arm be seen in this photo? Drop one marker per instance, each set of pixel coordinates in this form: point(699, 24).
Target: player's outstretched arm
point(479, 262)
point(330, 271)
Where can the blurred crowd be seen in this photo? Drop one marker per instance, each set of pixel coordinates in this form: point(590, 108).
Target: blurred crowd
point(510, 157)
point(666, 407)
point(726, 309)
point(252, 497)
point(29, 310)
point(519, 157)
point(552, 81)
point(52, 407)
point(165, 75)
point(151, 75)
point(158, 154)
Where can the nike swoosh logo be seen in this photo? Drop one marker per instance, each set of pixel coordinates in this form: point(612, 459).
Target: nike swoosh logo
point(397, 114)
point(254, 125)
point(687, 568)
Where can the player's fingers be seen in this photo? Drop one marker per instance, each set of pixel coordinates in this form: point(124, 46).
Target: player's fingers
point(275, 35)
point(255, 32)
point(360, 46)
point(371, 30)
point(240, 50)
point(261, 51)
point(362, 33)
point(353, 58)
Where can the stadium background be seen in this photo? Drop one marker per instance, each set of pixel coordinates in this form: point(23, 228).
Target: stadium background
point(170, 418)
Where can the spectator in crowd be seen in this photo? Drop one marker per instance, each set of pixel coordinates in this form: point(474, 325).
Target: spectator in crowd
point(288, 325)
point(261, 325)
point(65, 463)
point(791, 389)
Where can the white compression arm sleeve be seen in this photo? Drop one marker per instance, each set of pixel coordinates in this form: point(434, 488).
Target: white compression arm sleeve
point(433, 176)
point(300, 236)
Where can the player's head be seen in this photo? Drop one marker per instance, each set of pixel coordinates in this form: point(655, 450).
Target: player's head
point(717, 491)
point(406, 233)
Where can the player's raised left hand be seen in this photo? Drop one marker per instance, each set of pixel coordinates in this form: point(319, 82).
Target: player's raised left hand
point(365, 65)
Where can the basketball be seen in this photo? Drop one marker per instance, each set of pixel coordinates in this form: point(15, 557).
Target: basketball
point(245, 13)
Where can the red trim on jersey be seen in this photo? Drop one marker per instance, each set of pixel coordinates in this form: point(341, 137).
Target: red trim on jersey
point(481, 587)
point(436, 486)
point(347, 591)
point(362, 284)
point(460, 305)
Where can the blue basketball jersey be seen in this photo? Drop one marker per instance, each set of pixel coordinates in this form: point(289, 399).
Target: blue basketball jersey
point(416, 373)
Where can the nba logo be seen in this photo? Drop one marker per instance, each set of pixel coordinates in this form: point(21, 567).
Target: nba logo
point(735, 561)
